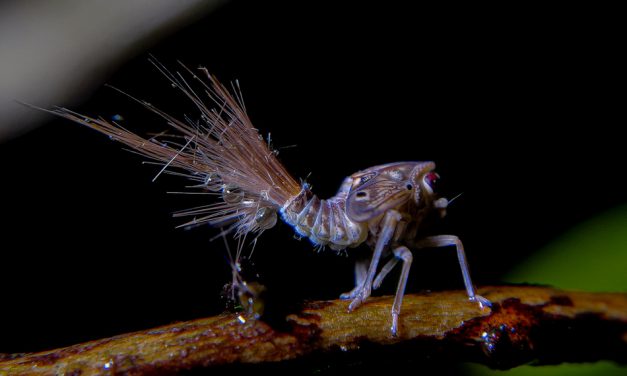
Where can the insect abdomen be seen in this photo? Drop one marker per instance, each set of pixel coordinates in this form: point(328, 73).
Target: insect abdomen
point(324, 222)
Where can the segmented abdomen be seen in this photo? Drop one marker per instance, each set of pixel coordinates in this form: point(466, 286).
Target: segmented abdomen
point(324, 222)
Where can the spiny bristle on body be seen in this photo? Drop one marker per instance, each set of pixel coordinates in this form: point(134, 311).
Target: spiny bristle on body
point(222, 153)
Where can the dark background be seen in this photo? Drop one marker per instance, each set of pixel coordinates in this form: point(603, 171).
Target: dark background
point(520, 108)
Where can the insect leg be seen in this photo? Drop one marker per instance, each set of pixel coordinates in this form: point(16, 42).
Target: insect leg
point(452, 240)
point(388, 228)
point(387, 268)
point(361, 271)
point(401, 253)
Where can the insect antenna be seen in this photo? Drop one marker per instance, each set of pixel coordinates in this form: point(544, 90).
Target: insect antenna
point(455, 198)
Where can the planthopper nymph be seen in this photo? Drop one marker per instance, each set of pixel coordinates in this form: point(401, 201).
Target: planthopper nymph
point(221, 153)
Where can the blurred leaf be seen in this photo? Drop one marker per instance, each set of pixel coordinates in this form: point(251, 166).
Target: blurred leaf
point(591, 257)
point(600, 368)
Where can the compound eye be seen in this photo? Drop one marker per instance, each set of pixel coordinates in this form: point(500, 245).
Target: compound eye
point(431, 179)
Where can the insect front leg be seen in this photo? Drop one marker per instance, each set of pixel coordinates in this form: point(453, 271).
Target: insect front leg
point(388, 228)
point(401, 253)
point(452, 240)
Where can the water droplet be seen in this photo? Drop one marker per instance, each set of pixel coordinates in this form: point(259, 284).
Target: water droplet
point(117, 117)
point(266, 218)
point(212, 182)
point(211, 177)
point(232, 194)
point(87, 120)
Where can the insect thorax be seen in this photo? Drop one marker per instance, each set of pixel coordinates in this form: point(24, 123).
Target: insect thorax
point(324, 222)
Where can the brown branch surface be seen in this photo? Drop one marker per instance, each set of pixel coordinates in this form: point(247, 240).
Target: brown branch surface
point(525, 324)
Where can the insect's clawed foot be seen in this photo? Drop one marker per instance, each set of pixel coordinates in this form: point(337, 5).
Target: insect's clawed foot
point(359, 297)
point(394, 328)
point(351, 294)
point(378, 281)
point(483, 302)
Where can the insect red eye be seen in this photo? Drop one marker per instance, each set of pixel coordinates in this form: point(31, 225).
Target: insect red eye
point(432, 179)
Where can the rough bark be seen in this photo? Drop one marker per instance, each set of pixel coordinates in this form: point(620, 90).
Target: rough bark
point(525, 324)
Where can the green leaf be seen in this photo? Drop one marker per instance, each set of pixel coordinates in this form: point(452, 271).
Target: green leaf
point(592, 256)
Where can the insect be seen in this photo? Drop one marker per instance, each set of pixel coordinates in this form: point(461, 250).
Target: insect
point(224, 155)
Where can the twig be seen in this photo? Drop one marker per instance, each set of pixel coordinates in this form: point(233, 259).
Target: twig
point(526, 324)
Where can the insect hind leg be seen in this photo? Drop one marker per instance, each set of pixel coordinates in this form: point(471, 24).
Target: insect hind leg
point(361, 271)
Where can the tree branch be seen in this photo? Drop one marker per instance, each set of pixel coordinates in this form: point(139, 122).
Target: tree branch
point(525, 324)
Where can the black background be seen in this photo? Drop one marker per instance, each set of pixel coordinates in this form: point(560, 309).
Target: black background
point(520, 108)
